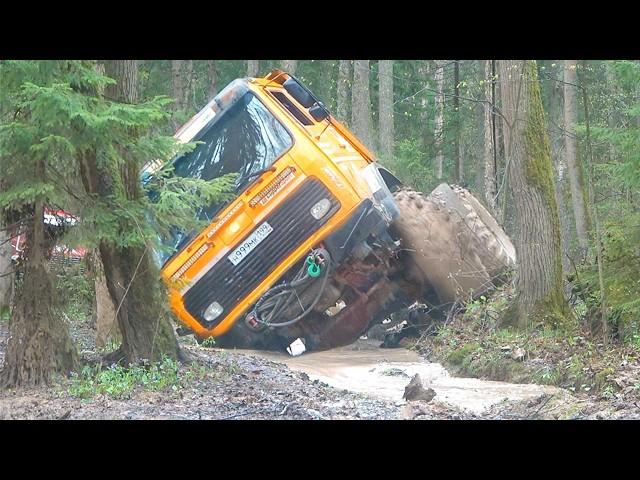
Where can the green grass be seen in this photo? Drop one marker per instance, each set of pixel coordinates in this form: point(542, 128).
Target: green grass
point(119, 382)
point(208, 342)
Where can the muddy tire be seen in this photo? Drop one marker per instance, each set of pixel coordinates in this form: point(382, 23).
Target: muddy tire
point(452, 243)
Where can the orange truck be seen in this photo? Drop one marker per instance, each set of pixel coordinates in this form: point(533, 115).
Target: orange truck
point(305, 255)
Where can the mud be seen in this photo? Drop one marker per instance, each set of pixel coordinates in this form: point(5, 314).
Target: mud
point(232, 386)
point(454, 244)
point(360, 381)
point(384, 373)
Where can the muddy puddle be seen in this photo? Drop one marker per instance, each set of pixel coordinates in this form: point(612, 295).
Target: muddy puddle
point(383, 373)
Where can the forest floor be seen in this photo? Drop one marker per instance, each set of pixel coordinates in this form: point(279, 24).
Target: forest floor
point(595, 380)
point(219, 385)
point(226, 384)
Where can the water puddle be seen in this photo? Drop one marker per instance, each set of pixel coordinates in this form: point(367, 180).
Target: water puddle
point(384, 373)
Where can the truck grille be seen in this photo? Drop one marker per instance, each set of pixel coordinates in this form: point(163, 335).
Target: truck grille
point(292, 224)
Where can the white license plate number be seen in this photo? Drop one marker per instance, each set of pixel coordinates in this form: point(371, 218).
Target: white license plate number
point(251, 242)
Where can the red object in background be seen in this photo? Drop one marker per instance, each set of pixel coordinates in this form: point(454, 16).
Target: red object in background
point(59, 252)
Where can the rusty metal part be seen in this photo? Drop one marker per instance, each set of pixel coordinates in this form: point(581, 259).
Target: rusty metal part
point(351, 322)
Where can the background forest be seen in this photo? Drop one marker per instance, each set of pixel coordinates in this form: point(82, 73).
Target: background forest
point(439, 120)
point(429, 121)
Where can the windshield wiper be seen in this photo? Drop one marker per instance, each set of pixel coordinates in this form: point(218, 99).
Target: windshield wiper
point(246, 179)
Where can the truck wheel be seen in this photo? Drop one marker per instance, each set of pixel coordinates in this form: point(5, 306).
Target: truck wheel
point(452, 244)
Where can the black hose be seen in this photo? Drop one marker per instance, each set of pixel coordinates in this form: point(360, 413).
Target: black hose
point(273, 301)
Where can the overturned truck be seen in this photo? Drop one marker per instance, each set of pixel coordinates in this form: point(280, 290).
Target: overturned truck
point(320, 242)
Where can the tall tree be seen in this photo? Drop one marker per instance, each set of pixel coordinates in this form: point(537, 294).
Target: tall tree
point(457, 144)
point(6, 278)
point(132, 278)
point(104, 311)
point(539, 293)
point(574, 168)
point(252, 67)
point(490, 154)
point(344, 87)
point(187, 100)
point(212, 70)
point(125, 72)
point(424, 75)
point(177, 77)
point(385, 97)
point(289, 66)
point(555, 114)
point(361, 102)
point(439, 129)
point(39, 344)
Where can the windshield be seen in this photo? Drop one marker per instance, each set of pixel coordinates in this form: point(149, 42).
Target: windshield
point(244, 139)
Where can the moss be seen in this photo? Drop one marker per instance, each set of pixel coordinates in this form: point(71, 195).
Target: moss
point(457, 357)
point(539, 169)
point(601, 378)
point(554, 311)
point(551, 310)
point(539, 172)
point(571, 412)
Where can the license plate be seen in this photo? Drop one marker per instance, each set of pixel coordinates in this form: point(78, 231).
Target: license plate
point(251, 242)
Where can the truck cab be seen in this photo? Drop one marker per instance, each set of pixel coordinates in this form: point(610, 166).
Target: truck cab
point(280, 255)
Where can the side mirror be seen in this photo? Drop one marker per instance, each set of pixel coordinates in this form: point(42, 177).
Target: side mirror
point(319, 112)
point(297, 91)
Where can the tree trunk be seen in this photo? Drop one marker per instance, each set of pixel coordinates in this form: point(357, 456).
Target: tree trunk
point(457, 150)
point(426, 134)
point(596, 222)
point(539, 294)
point(188, 92)
point(6, 279)
point(385, 74)
point(289, 66)
point(104, 311)
point(361, 102)
point(344, 87)
point(490, 154)
point(560, 169)
point(132, 278)
point(126, 74)
point(574, 167)
point(178, 83)
point(252, 67)
point(439, 130)
point(213, 78)
point(39, 344)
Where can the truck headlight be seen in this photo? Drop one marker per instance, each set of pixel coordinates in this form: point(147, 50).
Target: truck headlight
point(320, 209)
point(213, 311)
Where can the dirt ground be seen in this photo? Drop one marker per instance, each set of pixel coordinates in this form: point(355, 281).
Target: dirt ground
point(234, 385)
